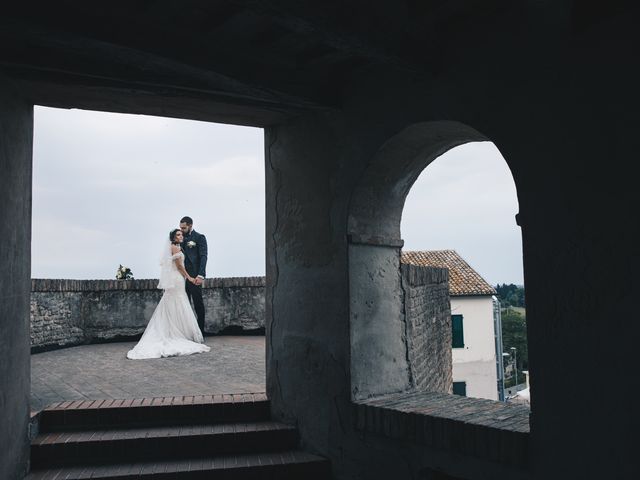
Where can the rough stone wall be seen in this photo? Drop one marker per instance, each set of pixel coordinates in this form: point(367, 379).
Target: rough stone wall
point(428, 326)
point(72, 312)
point(55, 319)
point(234, 304)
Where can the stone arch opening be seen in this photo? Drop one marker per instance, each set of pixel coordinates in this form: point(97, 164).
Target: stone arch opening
point(459, 214)
point(381, 360)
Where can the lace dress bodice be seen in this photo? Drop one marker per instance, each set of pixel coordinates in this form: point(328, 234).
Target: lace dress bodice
point(172, 279)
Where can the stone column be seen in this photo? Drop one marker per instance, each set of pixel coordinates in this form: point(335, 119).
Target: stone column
point(307, 327)
point(16, 136)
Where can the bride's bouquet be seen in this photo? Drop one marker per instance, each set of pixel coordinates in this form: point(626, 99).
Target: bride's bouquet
point(124, 273)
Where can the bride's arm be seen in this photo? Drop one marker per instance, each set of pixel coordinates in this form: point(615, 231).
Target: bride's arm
point(175, 249)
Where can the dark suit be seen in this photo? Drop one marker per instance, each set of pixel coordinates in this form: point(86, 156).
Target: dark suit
point(195, 262)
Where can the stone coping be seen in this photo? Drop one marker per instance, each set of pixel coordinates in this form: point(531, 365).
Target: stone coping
point(69, 285)
point(486, 429)
point(423, 275)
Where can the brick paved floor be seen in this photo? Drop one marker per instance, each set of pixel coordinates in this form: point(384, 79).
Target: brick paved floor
point(91, 372)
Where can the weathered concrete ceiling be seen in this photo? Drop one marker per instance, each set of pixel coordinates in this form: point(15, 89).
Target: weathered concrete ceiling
point(251, 62)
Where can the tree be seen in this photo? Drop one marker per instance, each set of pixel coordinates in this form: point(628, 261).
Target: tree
point(510, 295)
point(514, 334)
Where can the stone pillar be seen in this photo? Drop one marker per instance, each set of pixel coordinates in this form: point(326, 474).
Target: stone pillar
point(16, 135)
point(307, 326)
point(379, 359)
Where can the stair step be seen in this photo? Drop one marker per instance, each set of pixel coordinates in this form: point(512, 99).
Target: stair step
point(286, 465)
point(148, 443)
point(93, 414)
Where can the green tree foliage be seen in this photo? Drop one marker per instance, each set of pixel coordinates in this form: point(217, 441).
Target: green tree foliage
point(514, 334)
point(514, 326)
point(510, 295)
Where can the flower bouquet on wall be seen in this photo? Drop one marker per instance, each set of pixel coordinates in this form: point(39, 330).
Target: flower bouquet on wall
point(124, 273)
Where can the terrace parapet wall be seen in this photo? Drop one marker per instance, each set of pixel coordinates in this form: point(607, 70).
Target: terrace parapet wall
point(72, 312)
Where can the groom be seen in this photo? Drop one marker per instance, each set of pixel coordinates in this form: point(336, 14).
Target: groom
point(194, 246)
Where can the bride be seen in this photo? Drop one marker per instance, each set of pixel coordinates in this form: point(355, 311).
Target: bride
point(173, 329)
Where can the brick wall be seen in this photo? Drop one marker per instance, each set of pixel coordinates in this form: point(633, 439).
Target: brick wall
point(469, 427)
point(72, 312)
point(428, 327)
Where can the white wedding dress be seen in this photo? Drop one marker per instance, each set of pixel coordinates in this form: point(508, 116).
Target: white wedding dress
point(173, 329)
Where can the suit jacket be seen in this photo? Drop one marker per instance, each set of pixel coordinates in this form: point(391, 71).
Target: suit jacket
point(195, 256)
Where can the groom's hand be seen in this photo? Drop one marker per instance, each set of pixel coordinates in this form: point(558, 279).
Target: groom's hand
point(199, 281)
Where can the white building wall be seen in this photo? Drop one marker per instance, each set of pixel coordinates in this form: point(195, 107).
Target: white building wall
point(475, 364)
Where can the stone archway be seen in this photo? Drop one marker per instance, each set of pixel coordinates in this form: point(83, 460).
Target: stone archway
point(379, 356)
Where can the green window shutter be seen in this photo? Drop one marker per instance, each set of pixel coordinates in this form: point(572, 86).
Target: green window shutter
point(460, 388)
point(457, 335)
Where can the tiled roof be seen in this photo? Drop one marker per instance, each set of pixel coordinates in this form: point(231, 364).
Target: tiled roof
point(463, 280)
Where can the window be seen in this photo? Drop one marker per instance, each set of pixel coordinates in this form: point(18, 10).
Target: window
point(460, 388)
point(457, 335)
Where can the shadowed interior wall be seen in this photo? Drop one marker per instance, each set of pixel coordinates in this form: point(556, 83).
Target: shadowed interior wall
point(567, 162)
point(313, 165)
point(16, 134)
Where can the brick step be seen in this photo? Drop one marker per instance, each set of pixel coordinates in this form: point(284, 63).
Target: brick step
point(287, 465)
point(160, 442)
point(95, 414)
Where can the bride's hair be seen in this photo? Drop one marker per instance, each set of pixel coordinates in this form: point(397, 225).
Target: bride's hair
point(172, 234)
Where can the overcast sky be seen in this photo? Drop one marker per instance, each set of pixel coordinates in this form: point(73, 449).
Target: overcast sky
point(109, 187)
point(466, 201)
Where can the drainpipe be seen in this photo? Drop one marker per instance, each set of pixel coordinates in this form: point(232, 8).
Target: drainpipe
point(497, 328)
